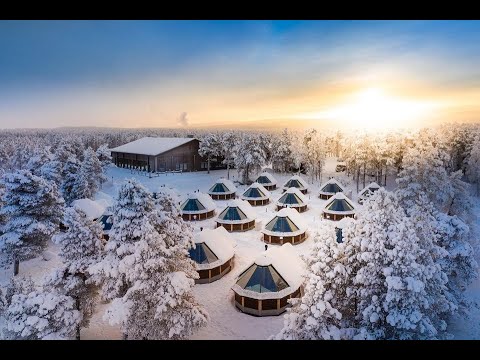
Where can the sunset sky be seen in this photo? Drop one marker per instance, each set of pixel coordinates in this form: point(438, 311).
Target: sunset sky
point(236, 73)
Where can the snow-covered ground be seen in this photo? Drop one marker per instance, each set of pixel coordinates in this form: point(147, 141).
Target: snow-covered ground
point(226, 322)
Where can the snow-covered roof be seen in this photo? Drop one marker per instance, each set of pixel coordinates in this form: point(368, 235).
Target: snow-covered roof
point(286, 263)
point(151, 145)
point(295, 178)
point(256, 191)
point(93, 209)
point(222, 186)
point(339, 204)
point(231, 215)
point(372, 186)
point(331, 187)
point(268, 176)
point(287, 199)
point(220, 241)
point(283, 227)
point(205, 201)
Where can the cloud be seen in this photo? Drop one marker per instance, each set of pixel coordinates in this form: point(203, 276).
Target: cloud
point(182, 119)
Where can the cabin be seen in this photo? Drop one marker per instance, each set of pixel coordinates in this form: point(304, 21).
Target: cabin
point(285, 227)
point(264, 287)
point(330, 188)
point(267, 181)
point(223, 189)
point(155, 154)
point(294, 199)
point(197, 206)
point(237, 216)
point(367, 192)
point(296, 182)
point(256, 195)
point(213, 254)
point(338, 207)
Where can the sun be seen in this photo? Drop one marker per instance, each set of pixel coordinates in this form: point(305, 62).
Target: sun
point(374, 108)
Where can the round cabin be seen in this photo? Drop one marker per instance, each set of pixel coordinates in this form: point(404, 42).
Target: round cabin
point(256, 195)
point(286, 227)
point(339, 207)
point(213, 254)
point(197, 206)
point(267, 181)
point(330, 188)
point(296, 182)
point(237, 216)
point(223, 189)
point(294, 199)
point(367, 192)
point(265, 286)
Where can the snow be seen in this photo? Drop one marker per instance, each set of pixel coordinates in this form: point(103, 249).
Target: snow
point(287, 263)
point(93, 209)
point(245, 207)
point(220, 242)
point(262, 189)
point(300, 180)
point(230, 186)
point(151, 145)
point(269, 176)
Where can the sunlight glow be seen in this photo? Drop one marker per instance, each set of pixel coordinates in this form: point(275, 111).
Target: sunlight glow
point(373, 108)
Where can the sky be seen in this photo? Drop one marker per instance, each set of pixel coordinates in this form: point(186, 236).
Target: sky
point(238, 73)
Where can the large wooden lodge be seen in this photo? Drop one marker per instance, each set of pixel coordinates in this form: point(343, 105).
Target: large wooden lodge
point(154, 154)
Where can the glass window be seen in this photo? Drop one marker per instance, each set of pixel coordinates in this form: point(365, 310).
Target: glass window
point(263, 180)
point(331, 188)
point(192, 205)
point(253, 193)
point(262, 279)
point(289, 198)
point(293, 183)
point(232, 213)
point(281, 224)
point(202, 254)
point(218, 188)
point(340, 205)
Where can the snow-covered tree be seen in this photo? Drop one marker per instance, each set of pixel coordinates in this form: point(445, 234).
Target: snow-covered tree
point(460, 264)
point(34, 209)
point(105, 158)
point(227, 141)
point(389, 283)
point(81, 247)
point(325, 311)
point(282, 155)
point(473, 165)
point(41, 315)
point(89, 175)
point(249, 155)
point(210, 146)
point(147, 271)
point(69, 180)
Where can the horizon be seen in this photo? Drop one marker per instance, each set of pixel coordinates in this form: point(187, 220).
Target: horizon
point(238, 74)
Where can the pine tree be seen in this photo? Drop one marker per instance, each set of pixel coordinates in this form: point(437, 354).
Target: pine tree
point(89, 175)
point(41, 315)
point(389, 283)
point(154, 276)
point(249, 155)
point(81, 247)
point(473, 165)
point(133, 221)
point(34, 209)
point(325, 310)
point(69, 184)
point(105, 158)
point(210, 146)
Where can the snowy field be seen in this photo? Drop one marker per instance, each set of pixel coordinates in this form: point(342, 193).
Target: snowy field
point(226, 322)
